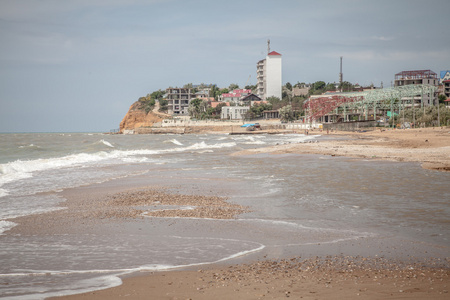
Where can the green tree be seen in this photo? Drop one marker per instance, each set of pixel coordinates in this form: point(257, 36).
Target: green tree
point(163, 105)
point(275, 101)
point(319, 85)
point(251, 87)
point(286, 113)
point(157, 95)
point(233, 86)
point(146, 103)
point(197, 108)
point(288, 85)
point(214, 92)
point(330, 87)
point(224, 91)
point(346, 86)
point(194, 108)
point(218, 108)
point(442, 98)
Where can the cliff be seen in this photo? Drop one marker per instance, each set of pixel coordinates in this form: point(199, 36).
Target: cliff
point(137, 117)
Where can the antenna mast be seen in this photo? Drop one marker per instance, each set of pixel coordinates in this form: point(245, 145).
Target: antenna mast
point(268, 46)
point(341, 76)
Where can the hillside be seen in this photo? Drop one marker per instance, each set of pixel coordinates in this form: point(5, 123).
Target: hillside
point(136, 117)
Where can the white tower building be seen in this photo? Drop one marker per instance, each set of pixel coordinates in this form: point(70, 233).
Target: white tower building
point(268, 74)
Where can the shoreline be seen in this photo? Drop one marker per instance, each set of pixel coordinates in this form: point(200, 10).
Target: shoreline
point(111, 205)
point(428, 146)
point(331, 277)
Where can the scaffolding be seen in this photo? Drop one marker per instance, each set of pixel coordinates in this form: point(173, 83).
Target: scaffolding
point(342, 105)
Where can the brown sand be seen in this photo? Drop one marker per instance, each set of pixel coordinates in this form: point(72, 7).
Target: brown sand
point(428, 146)
point(89, 210)
point(327, 278)
point(296, 278)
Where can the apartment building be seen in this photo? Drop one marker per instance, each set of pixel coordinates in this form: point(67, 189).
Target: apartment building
point(268, 75)
point(178, 100)
point(234, 112)
point(446, 88)
point(427, 77)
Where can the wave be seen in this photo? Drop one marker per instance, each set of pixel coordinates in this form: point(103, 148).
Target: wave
point(22, 169)
point(106, 143)
point(28, 146)
point(174, 141)
point(6, 225)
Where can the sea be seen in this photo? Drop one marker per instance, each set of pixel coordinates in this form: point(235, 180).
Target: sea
point(300, 205)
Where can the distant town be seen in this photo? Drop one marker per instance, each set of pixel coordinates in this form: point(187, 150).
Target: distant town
point(417, 98)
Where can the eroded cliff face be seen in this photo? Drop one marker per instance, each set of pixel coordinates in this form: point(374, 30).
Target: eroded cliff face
point(136, 118)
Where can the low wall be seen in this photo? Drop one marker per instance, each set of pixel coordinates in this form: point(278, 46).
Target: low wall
point(145, 130)
point(350, 126)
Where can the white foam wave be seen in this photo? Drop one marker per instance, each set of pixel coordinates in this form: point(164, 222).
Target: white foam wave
point(22, 169)
point(174, 141)
point(255, 143)
point(28, 146)
point(6, 225)
point(203, 145)
point(111, 277)
point(106, 143)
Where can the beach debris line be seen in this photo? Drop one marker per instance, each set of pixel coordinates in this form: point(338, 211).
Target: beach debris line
point(143, 203)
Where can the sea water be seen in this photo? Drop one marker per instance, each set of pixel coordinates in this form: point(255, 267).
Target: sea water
point(297, 201)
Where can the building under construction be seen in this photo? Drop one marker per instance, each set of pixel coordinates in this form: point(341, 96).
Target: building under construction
point(412, 88)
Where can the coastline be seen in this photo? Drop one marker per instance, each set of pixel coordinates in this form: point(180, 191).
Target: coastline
point(113, 207)
point(296, 278)
point(428, 146)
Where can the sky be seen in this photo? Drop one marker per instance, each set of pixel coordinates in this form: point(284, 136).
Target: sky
point(77, 66)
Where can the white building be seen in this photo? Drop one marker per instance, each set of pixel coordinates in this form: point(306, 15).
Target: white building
point(234, 112)
point(268, 74)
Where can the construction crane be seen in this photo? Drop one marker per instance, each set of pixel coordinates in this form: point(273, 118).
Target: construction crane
point(246, 83)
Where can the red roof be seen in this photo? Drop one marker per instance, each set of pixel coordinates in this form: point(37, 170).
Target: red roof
point(274, 53)
point(231, 95)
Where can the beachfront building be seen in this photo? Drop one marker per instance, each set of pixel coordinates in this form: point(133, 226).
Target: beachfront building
point(445, 75)
point(249, 100)
point(178, 100)
point(268, 75)
point(234, 112)
point(446, 88)
point(427, 77)
point(234, 96)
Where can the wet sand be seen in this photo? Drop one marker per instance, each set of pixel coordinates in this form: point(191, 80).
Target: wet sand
point(296, 278)
point(330, 277)
point(325, 277)
point(428, 146)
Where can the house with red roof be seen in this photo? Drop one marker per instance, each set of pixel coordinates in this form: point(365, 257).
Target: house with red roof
point(234, 96)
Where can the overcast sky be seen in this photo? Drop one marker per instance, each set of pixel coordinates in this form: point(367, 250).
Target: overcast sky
point(78, 65)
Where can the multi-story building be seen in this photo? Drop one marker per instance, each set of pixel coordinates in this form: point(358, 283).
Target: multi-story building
point(234, 112)
point(268, 74)
point(178, 100)
point(446, 90)
point(445, 75)
point(418, 77)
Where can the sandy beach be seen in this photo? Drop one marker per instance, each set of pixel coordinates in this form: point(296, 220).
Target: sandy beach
point(296, 276)
point(428, 146)
point(330, 277)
